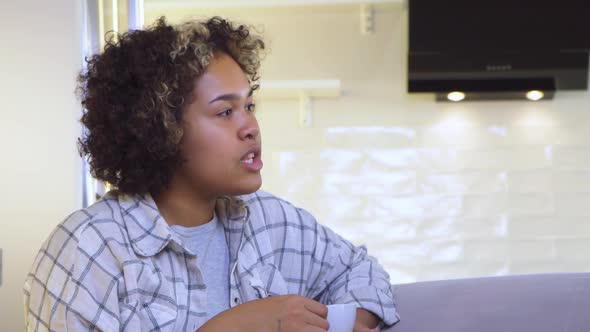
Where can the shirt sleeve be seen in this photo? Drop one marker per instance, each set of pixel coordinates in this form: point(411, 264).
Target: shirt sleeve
point(68, 288)
point(347, 274)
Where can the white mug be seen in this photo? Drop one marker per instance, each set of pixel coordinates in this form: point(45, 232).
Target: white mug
point(341, 317)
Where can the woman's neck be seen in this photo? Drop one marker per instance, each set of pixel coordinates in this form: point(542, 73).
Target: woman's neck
point(181, 206)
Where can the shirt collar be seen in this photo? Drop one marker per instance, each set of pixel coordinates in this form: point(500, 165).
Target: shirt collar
point(148, 231)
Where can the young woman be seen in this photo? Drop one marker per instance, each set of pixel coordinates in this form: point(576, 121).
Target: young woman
point(187, 241)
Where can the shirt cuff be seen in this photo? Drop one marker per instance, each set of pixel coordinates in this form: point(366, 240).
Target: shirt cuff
point(375, 300)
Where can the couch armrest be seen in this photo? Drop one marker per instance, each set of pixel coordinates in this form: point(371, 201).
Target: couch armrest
point(539, 303)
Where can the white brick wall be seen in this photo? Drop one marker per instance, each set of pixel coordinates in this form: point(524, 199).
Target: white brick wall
point(435, 190)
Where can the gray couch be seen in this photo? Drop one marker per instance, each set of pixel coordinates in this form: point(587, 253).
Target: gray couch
point(539, 303)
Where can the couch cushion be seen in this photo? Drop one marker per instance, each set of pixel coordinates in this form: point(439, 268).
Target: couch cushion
point(540, 303)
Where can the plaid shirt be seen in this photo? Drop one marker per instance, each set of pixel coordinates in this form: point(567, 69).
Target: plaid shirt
point(117, 266)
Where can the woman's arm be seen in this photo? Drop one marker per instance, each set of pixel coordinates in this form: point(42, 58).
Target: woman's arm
point(285, 313)
point(349, 275)
point(365, 321)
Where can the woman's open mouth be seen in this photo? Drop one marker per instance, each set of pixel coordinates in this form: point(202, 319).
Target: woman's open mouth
point(252, 161)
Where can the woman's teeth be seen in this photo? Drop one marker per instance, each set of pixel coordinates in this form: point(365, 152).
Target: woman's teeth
point(249, 158)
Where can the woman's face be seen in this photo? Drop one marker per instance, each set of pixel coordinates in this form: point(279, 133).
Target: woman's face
point(221, 141)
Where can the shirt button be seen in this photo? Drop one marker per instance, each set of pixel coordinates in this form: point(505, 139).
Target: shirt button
point(236, 300)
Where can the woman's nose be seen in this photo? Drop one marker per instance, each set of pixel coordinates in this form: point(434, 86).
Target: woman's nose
point(249, 130)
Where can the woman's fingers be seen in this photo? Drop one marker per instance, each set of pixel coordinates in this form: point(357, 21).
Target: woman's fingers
point(316, 307)
point(317, 321)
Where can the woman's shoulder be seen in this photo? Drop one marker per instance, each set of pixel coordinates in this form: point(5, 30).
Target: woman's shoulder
point(81, 235)
point(262, 200)
point(105, 211)
point(88, 226)
point(272, 208)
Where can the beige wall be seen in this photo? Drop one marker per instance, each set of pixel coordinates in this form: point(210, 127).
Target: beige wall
point(435, 190)
point(40, 169)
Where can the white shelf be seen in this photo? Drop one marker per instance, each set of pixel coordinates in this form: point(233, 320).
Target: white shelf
point(304, 90)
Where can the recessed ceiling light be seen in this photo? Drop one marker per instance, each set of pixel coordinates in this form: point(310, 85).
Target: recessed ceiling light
point(535, 95)
point(456, 96)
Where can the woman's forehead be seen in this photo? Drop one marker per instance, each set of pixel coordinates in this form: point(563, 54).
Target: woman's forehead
point(222, 76)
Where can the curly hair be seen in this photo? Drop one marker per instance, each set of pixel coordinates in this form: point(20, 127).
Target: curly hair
point(134, 92)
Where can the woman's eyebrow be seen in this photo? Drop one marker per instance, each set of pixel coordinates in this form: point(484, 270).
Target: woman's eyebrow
point(230, 96)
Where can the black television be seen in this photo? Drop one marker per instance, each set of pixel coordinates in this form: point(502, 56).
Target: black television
point(498, 46)
point(506, 25)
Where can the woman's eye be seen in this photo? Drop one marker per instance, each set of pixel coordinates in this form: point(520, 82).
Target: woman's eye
point(227, 112)
point(251, 107)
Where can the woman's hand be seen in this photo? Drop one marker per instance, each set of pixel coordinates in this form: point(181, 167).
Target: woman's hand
point(285, 313)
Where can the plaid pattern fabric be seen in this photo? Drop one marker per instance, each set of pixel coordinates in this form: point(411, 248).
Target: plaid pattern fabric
point(117, 266)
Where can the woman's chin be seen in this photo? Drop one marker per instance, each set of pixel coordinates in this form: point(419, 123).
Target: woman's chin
point(247, 187)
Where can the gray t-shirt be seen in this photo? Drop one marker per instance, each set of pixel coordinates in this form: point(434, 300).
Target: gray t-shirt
point(208, 242)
